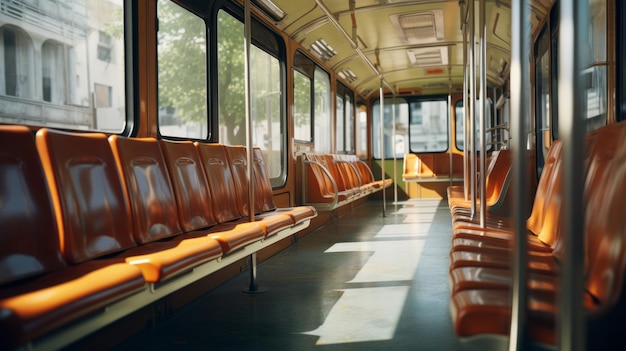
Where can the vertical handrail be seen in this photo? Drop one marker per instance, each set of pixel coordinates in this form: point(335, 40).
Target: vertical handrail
point(382, 144)
point(466, 155)
point(248, 39)
point(450, 122)
point(483, 110)
point(520, 85)
point(395, 166)
point(573, 22)
point(472, 105)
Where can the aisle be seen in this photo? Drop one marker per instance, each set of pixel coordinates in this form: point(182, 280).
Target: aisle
point(362, 282)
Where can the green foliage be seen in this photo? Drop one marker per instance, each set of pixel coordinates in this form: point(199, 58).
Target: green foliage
point(182, 62)
point(231, 83)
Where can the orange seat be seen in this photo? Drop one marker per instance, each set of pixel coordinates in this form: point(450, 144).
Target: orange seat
point(263, 191)
point(39, 291)
point(226, 202)
point(486, 308)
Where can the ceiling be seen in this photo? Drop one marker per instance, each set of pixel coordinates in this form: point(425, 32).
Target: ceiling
point(414, 46)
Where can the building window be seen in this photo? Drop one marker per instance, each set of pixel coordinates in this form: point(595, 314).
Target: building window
point(105, 46)
point(103, 96)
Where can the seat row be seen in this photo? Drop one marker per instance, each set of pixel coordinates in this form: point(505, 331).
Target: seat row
point(480, 269)
point(94, 228)
point(331, 181)
point(432, 168)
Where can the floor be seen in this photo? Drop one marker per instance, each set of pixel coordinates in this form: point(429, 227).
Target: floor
point(362, 282)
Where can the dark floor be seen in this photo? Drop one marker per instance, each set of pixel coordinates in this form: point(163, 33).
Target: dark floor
point(362, 282)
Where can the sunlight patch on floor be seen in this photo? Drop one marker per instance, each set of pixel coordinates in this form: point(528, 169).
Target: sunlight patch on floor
point(366, 314)
point(404, 230)
point(390, 261)
point(371, 314)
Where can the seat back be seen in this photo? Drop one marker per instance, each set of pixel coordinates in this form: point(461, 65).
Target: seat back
point(535, 220)
point(153, 205)
point(87, 191)
point(238, 160)
point(29, 241)
point(221, 185)
point(191, 188)
point(319, 186)
point(605, 223)
point(263, 184)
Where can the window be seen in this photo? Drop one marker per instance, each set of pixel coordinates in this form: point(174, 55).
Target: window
point(312, 115)
point(459, 113)
point(345, 119)
point(428, 127)
point(394, 142)
point(322, 120)
point(103, 96)
point(18, 58)
point(543, 101)
point(302, 107)
point(52, 80)
point(361, 131)
point(460, 125)
point(267, 99)
point(105, 45)
point(182, 84)
point(621, 59)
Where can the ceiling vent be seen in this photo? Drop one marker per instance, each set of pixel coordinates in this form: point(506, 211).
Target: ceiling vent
point(348, 75)
point(322, 50)
point(422, 57)
point(419, 27)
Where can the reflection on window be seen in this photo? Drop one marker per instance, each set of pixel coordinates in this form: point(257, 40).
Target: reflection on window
point(52, 68)
point(302, 107)
point(182, 72)
point(267, 116)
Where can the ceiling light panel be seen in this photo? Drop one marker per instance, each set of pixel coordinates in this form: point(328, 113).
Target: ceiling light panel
point(419, 27)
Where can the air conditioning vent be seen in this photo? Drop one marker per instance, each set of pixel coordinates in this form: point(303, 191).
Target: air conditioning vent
point(419, 27)
point(422, 57)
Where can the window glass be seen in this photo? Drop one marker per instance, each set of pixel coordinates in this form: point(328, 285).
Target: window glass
point(230, 77)
point(182, 72)
point(596, 74)
point(340, 123)
point(397, 142)
point(460, 125)
point(621, 60)
point(428, 127)
point(542, 97)
point(459, 113)
point(266, 97)
point(322, 111)
point(50, 74)
point(361, 132)
point(302, 107)
point(345, 119)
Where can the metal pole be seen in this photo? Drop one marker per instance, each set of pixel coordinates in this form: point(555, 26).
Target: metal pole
point(472, 105)
point(248, 39)
point(573, 22)
point(395, 168)
point(382, 144)
point(466, 117)
point(520, 85)
point(450, 122)
point(483, 111)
